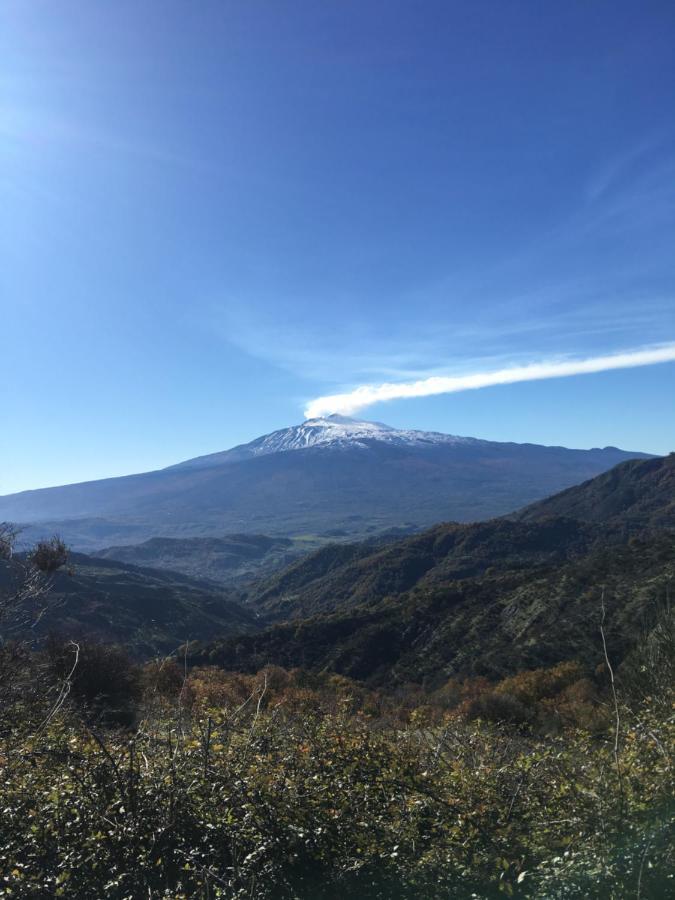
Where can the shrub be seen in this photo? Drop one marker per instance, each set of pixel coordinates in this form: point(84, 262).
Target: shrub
point(531, 686)
point(49, 556)
point(8, 535)
point(498, 706)
point(164, 677)
point(267, 805)
point(102, 679)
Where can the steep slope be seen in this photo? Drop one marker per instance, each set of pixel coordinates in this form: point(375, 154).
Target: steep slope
point(149, 611)
point(340, 576)
point(493, 624)
point(317, 477)
point(489, 598)
point(637, 494)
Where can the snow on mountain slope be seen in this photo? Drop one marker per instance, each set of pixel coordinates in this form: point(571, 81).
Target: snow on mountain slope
point(360, 478)
point(333, 432)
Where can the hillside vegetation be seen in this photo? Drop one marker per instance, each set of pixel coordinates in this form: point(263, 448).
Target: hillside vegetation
point(475, 712)
point(493, 624)
point(231, 559)
point(637, 495)
point(633, 498)
point(149, 611)
point(490, 598)
point(282, 786)
point(341, 576)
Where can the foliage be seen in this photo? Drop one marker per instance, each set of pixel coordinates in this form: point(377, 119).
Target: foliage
point(344, 576)
point(8, 535)
point(292, 785)
point(105, 683)
point(49, 556)
point(636, 495)
point(25, 583)
point(147, 610)
point(494, 624)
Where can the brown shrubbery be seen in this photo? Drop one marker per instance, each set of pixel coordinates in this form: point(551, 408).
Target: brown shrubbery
point(289, 786)
point(547, 701)
point(124, 780)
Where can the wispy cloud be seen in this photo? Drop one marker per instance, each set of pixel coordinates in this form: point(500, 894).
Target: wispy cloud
point(368, 394)
point(499, 327)
point(617, 168)
point(598, 277)
point(24, 131)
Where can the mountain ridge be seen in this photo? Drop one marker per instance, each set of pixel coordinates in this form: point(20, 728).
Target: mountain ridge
point(359, 477)
point(225, 560)
point(636, 493)
point(546, 533)
point(331, 432)
point(487, 598)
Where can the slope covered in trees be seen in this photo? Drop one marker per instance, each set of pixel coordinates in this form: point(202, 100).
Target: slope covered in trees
point(634, 495)
point(493, 624)
point(490, 598)
point(339, 576)
point(228, 559)
point(149, 611)
point(632, 498)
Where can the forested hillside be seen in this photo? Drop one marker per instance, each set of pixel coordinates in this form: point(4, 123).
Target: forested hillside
point(493, 624)
point(229, 559)
point(346, 575)
point(635, 495)
point(147, 610)
point(490, 598)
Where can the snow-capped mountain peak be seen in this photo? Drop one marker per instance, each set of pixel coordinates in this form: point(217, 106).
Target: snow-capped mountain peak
point(331, 432)
point(334, 429)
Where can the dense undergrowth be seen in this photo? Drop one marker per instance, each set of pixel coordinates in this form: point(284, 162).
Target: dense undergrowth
point(124, 782)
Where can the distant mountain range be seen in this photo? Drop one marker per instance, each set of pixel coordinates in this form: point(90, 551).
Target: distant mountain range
point(486, 598)
point(325, 478)
point(489, 598)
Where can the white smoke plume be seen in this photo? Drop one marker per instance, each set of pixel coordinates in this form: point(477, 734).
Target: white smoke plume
point(365, 395)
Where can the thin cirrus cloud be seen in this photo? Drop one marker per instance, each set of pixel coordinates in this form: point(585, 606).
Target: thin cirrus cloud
point(366, 395)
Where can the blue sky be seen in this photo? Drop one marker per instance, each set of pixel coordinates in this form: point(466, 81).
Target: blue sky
point(212, 213)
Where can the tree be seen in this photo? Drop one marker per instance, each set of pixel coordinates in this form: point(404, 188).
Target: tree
point(25, 581)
